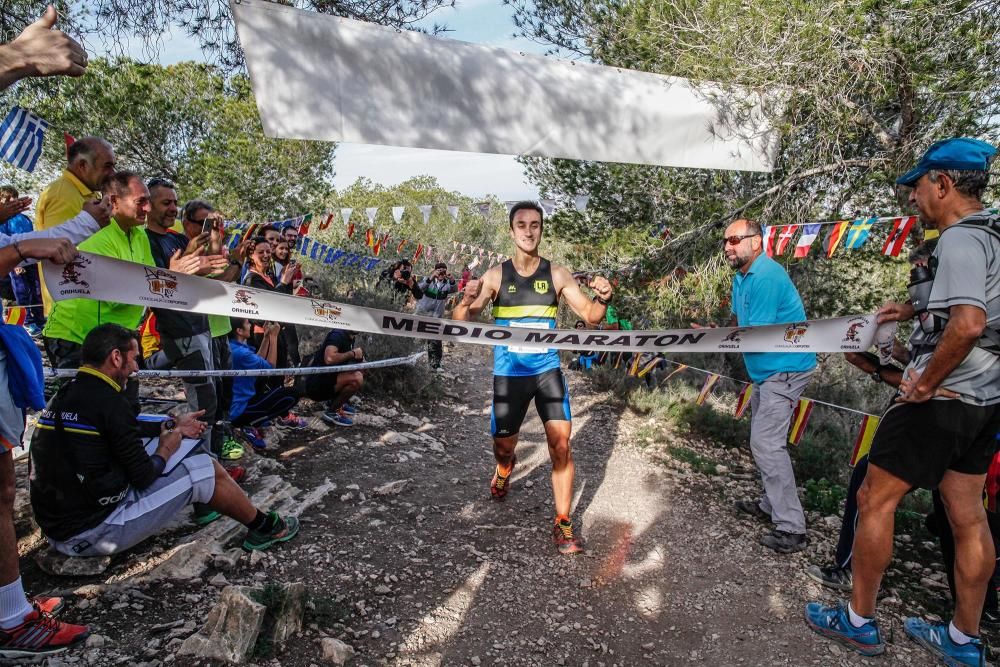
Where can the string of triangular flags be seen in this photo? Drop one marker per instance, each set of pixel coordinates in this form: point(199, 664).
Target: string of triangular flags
point(853, 233)
point(325, 254)
point(800, 416)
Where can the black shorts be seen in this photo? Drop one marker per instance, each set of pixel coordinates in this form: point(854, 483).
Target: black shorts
point(321, 386)
point(511, 395)
point(918, 442)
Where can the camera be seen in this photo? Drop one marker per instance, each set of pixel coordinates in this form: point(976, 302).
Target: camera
point(404, 274)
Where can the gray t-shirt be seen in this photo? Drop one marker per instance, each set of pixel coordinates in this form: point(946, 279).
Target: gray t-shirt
point(968, 273)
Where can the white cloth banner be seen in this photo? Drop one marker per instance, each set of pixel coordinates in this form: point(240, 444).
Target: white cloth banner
point(97, 277)
point(345, 214)
point(453, 211)
point(321, 77)
point(371, 212)
point(397, 213)
point(425, 210)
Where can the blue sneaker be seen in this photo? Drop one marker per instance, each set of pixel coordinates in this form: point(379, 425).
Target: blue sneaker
point(335, 418)
point(935, 638)
point(252, 436)
point(834, 623)
point(348, 409)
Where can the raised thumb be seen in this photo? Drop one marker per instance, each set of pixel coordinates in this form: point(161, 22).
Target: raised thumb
point(48, 19)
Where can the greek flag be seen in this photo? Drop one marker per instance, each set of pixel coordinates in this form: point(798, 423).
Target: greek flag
point(21, 135)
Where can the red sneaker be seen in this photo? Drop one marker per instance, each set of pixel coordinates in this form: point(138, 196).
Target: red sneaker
point(562, 535)
point(501, 483)
point(237, 473)
point(40, 634)
point(48, 605)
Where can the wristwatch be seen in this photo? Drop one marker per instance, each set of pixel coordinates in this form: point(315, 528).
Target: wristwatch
point(876, 375)
point(169, 426)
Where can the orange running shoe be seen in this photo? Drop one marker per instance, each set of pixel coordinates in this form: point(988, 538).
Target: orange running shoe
point(562, 535)
point(501, 483)
point(48, 605)
point(39, 635)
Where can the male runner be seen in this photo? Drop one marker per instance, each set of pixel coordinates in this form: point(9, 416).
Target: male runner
point(526, 292)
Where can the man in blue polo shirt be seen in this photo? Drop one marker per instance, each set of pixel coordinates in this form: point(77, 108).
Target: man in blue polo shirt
point(764, 294)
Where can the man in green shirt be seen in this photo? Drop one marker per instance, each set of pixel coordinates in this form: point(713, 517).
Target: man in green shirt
point(124, 238)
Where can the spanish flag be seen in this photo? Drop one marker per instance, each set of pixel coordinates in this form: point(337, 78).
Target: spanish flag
point(799, 420)
point(633, 368)
point(650, 365)
point(399, 248)
point(706, 389)
point(16, 315)
point(743, 402)
point(327, 219)
point(833, 238)
point(869, 424)
point(350, 230)
point(420, 250)
point(370, 238)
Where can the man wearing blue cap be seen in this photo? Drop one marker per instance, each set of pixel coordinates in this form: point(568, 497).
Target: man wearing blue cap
point(940, 432)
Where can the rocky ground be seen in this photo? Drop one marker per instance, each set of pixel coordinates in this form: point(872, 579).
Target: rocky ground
point(407, 560)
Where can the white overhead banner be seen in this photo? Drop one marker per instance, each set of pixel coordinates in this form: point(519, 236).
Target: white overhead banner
point(96, 277)
point(326, 78)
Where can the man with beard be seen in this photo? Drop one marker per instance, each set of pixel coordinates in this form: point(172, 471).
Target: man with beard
point(764, 294)
point(526, 291)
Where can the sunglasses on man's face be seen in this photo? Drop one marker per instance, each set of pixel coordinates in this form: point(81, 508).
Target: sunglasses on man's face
point(736, 240)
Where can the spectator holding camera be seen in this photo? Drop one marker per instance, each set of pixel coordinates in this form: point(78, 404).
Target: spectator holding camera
point(436, 289)
point(400, 278)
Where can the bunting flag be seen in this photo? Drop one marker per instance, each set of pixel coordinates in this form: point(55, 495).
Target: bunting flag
point(453, 212)
point(785, 237)
point(800, 418)
point(327, 219)
point(16, 315)
point(633, 368)
point(454, 244)
point(474, 263)
point(399, 248)
point(743, 401)
point(350, 230)
point(484, 209)
point(580, 202)
point(370, 238)
point(371, 212)
point(304, 225)
point(706, 389)
point(809, 234)
point(650, 365)
point(768, 240)
point(833, 238)
point(21, 136)
point(863, 443)
point(377, 247)
point(548, 205)
point(858, 233)
point(425, 210)
point(345, 214)
point(897, 237)
point(69, 140)
point(454, 258)
point(680, 368)
point(420, 249)
point(397, 213)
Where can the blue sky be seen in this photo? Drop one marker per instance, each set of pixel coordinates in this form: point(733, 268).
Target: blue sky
point(480, 21)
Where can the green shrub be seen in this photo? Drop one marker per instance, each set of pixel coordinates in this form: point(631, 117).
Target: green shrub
point(823, 496)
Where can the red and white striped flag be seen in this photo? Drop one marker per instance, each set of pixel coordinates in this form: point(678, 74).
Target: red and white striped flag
point(897, 237)
point(785, 237)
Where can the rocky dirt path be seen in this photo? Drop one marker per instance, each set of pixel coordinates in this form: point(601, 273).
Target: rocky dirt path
point(430, 571)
